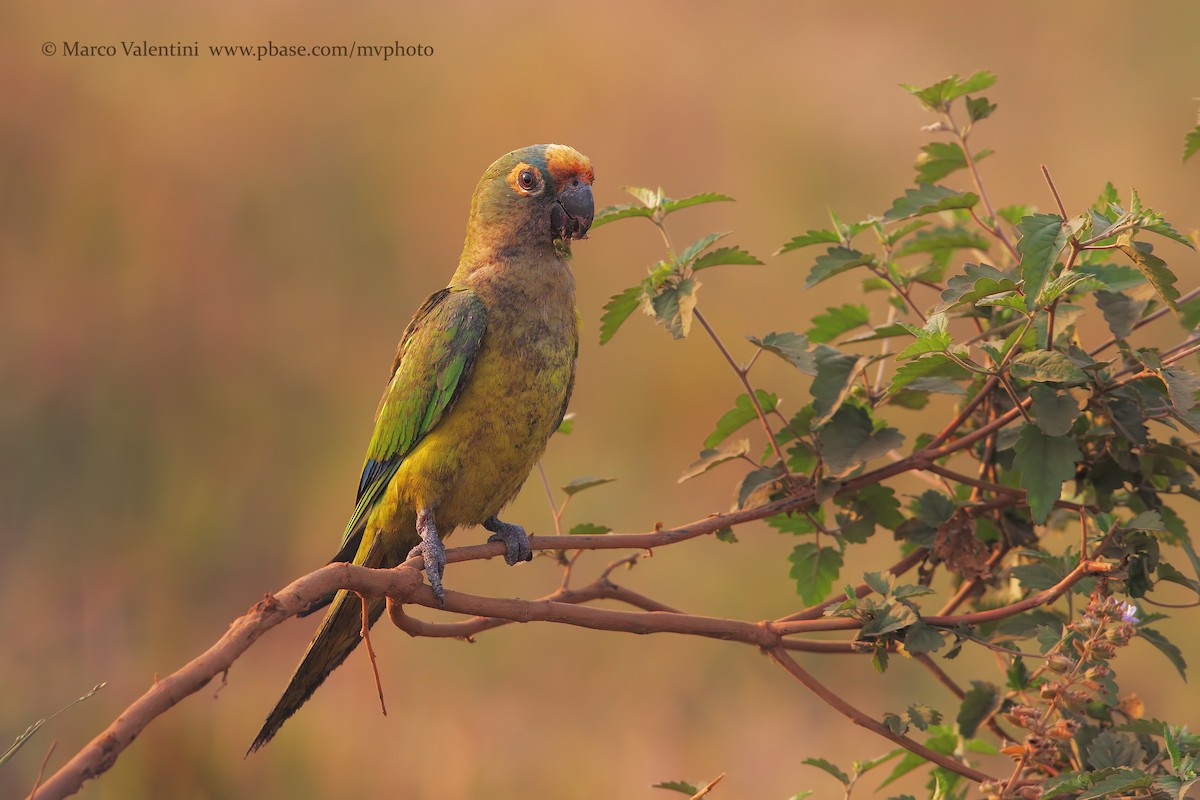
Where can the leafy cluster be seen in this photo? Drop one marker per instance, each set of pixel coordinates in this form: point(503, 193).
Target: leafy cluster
point(1052, 428)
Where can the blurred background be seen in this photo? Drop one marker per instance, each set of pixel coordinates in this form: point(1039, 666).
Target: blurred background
point(205, 264)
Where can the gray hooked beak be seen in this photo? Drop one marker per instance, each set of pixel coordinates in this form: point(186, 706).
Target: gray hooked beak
point(572, 213)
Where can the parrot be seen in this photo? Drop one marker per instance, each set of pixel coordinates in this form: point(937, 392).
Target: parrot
point(481, 380)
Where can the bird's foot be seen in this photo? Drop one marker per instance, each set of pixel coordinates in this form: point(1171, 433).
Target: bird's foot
point(433, 552)
point(516, 540)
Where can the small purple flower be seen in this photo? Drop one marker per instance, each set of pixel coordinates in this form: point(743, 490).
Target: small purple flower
point(1128, 613)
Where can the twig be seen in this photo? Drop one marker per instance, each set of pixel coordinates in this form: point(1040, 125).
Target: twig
point(42, 769)
point(784, 659)
point(365, 632)
point(708, 787)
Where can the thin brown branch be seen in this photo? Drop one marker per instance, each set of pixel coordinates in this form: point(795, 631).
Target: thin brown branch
point(708, 787)
point(785, 660)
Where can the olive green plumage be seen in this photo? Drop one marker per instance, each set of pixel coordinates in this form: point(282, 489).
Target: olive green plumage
point(481, 381)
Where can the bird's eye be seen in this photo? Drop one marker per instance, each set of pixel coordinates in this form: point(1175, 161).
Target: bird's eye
point(527, 179)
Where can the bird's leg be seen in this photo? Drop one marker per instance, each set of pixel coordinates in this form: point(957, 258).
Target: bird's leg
point(432, 550)
point(516, 540)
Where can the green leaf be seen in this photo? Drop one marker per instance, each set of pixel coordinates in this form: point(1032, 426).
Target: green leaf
point(836, 321)
point(1150, 220)
point(757, 485)
point(670, 206)
point(928, 199)
point(938, 96)
point(567, 425)
point(711, 457)
point(808, 239)
point(922, 716)
point(722, 256)
point(743, 411)
point(579, 484)
point(921, 638)
point(588, 528)
point(1120, 311)
point(1043, 236)
point(941, 240)
point(933, 338)
point(850, 440)
point(1123, 781)
point(835, 261)
point(978, 703)
point(979, 108)
point(1112, 749)
point(1191, 143)
point(1047, 366)
point(1059, 287)
point(1155, 270)
point(791, 347)
point(1053, 411)
point(694, 249)
point(814, 569)
point(937, 366)
point(1044, 462)
point(1182, 386)
point(683, 787)
point(939, 159)
point(830, 768)
point(976, 282)
point(650, 198)
point(21, 740)
point(673, 307)
point(883, 332)
point(613, 213)
point(836, 373)
point(725, 535)
point(1166, 647)
point(617, 310)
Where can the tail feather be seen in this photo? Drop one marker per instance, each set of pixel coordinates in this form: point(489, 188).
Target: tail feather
point(339, 634)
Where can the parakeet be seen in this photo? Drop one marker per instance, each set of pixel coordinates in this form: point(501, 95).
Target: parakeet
point(481, 380)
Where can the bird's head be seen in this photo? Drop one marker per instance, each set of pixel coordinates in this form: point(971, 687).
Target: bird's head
point(534, 196)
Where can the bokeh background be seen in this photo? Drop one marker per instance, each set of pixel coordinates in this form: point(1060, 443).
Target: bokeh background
point(205, 264)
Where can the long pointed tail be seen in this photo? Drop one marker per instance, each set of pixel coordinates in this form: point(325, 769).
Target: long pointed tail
point(337, 637)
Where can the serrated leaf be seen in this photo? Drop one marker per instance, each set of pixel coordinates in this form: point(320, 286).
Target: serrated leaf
point(650, 198)
point(882, 332)
point(930, 367)
point(977, 704)
point(673, 307)
point(1167, 648)
point(1191, 143)
point(1044, 463)
point(757, 485)
point(1047, 366)
point(588, 528)
point(1155, 270)
point(711, 457)
point(922, 638)
point(836, 373)
point(1123, 781)
point(976, 282)
point(617, 310)
point(743, 411)
point(1120, 311)
point(670, 206)
point(694, 249)
point(725, 535)
point(814, 570)
point(939, 159)
point(943, 239)
point(791, 347)
point(928, 199)
point(938, 96)
point(1112, 749)
point(1053, 411)
point(613, 213)
point(587, 482)
point(829, 767)
point(1043, 236)
point(933, 338)
point(849, 440)
point(808, 239)
point(835, 261)
point(922, 716)
point(683, 787)
point(1182, 386)
point(1059, 287)
point(836, 321)
point(723, 256)
point(979, 108)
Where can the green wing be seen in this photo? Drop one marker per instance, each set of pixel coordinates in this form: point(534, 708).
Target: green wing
point(432, 366)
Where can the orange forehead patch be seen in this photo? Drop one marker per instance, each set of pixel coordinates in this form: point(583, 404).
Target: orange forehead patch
point(565, 163)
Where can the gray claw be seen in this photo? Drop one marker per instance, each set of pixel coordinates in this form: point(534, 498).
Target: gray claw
point(433, 552)
point(516, 540)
